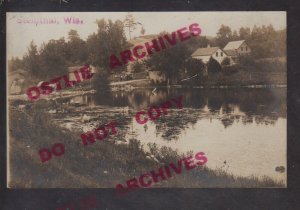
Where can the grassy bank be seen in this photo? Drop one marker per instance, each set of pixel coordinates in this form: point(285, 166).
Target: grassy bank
point(243, 78)
point(102, 164)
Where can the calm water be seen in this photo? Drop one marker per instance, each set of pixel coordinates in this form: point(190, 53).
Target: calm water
point(241, 131)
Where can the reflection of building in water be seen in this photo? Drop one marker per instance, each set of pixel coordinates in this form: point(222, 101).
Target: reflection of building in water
point(82, 100)
point(138, 100)
point(145, 98)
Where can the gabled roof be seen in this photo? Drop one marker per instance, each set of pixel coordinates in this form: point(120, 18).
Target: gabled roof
point(231, 52)
point(233, 45)
point(142, 39)
point(205, 51)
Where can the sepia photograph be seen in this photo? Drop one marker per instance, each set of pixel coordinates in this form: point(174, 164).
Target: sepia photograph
point(132, 100)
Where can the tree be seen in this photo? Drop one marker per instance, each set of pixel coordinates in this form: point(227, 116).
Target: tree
point(224, 35)
point(213, 66)
point(225, 62)
point(170, 61)
point(143, 31)
point(195, 66)
point(101, 83)
point(245, 33)
point(235, 36)
point(16, 63)
point(130, 24)
point(138, 67)
point(53, 59)
point(263, 41)
point(109, 40)
point(73, 35)
point(77, 50)
point(32, 61)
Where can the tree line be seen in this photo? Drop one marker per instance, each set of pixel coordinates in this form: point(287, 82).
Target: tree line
point(54, 57)
point(264, 41)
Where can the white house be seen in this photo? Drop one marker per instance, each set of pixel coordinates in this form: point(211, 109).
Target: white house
point(205, 54)
point(235, 48)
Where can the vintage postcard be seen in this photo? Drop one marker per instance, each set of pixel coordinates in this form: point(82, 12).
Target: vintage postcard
point(146, 100)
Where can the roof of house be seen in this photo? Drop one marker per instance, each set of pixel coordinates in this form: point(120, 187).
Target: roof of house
point(205, 51)
point(231, 52)
point(233, 45)
point(142, 39)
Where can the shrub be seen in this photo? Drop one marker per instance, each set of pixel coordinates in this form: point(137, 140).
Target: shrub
point(230, 70)
point(246, 60)
point(213, 66)
point(101, 82)
point(272, 65)
point(138, 67)
point(225, 62)
point(195, 66)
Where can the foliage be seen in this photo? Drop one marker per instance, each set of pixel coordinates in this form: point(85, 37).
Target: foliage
point(271, 65)
point(264, 41)
point(138, 67)
point(224, 35)
point(31, 60)
point(225, 62)
point(230, 70)
point(170, 61)
point(110, 39)
point(16, 63)
point(101, 82)
point(130, 24)
point(77, 50)
point(213, 66)
point(246, 60)
point(53, 57)
point(195, 66)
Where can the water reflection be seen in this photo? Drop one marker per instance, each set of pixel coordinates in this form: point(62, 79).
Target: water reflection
point(230, 125)
point(260, 106)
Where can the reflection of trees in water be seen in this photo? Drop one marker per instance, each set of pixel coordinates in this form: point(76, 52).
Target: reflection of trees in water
point(247, 106)
point(260, 106)
point(171, 126)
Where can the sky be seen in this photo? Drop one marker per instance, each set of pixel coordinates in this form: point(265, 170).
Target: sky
point(20, 34)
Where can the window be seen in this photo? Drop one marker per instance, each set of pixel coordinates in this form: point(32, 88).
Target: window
point(217, 54)
point(241, 48)
point(221, 54)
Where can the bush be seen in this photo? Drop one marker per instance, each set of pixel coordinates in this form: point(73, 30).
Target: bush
point(272, 65)
point(213, 66)
point(246, 60)
point(138, 67)
point(225, 62)
point(100, 82)
point(194, 66)
point(230, 70)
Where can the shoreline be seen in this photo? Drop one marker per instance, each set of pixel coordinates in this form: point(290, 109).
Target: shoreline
point(109, 159)
point(128, 88)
